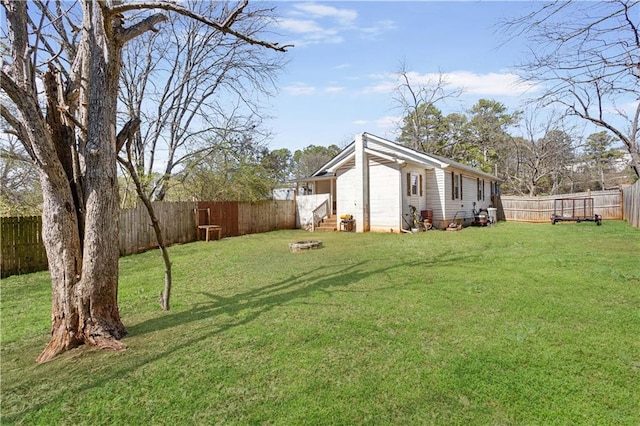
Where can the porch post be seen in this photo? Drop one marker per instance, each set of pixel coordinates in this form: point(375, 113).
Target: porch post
point(362, 184)
point(333, 196)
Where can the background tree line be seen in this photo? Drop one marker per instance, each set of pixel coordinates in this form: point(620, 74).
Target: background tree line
point(532, 156)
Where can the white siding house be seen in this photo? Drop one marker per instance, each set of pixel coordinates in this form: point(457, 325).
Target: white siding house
point(377, 180)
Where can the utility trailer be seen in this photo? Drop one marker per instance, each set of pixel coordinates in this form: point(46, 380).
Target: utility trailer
point(574, 210)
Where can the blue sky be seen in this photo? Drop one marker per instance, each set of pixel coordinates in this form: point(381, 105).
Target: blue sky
point(340, 76)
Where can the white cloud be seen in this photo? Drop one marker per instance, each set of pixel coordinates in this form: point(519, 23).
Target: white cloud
point(343, 16)
point(388, 123)
point(300, 89)
point(299, 26)
point(309, 32)
point(333, 89)
point(490, 84)
point(304, 89)
point(314, 23)
point(383, 83)
point(377, 29)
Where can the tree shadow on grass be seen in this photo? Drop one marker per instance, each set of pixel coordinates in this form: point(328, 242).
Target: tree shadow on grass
point(244, 307)
point(237, 310)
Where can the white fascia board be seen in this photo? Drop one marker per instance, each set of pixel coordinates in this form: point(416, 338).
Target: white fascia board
point(338, 160)
point(401, 159)
point(473, 171)
point(408, 153)
point(428, 160)
point(341, 162)
point(384, 156)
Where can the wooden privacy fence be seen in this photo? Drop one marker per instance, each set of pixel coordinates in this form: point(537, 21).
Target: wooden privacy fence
point(177, 222)
point(23, 251)
point(21, 245)
point(608, 204)
point(251, 218)
point(631, 203)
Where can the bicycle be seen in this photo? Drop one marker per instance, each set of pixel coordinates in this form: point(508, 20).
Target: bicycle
point(415, 220)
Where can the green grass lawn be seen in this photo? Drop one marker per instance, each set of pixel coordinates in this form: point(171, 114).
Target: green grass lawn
point(510, 324)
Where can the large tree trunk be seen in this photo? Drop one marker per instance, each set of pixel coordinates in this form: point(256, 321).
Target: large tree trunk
point(84, 267)
point(61, 239)
point(98, 291)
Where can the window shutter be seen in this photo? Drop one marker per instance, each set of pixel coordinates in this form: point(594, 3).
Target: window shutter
point(408, 184)
point(421, 185)
point(461, 185)
point(453, 187)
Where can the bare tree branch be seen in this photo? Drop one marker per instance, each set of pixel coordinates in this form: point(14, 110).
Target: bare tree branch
point(209, 80)
point(417, 100)
point(587, 55)
point(147, 24)
point(225, 27)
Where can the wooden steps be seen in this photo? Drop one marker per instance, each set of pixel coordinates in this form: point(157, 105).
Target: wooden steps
point(328, 224)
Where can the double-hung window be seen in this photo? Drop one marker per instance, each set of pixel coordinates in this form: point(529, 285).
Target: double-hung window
point(456, 186)
point(480, 189)
point(414, 184)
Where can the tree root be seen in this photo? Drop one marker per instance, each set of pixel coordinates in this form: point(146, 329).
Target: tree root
point(107, 343)
point(62, 341)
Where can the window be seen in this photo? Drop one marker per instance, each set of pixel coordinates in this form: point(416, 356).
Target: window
point(480, 189)
point(456, 189)
point(414, 184)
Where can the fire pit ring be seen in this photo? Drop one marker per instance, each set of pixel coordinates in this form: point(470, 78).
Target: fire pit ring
point(305, 245)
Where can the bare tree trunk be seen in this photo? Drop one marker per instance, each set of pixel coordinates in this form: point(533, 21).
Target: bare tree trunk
point(62, 242)
point(98, 292)
point(125, 138)
point(84, 268)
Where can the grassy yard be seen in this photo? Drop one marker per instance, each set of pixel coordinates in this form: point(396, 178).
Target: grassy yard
point(511, 324)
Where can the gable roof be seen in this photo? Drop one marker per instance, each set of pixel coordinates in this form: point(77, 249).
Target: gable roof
point(392, 151)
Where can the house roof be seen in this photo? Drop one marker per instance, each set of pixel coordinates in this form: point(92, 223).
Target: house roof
point(393, 151)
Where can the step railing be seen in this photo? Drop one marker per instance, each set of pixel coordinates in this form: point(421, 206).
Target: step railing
point(320, 213)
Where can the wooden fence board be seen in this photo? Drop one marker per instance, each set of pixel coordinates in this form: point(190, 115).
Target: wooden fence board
point(22, 249)
point(223, 213)
point(177, 223)
point(608, 204)
point(631, 204)
point(21, 245)
point(250, 218)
